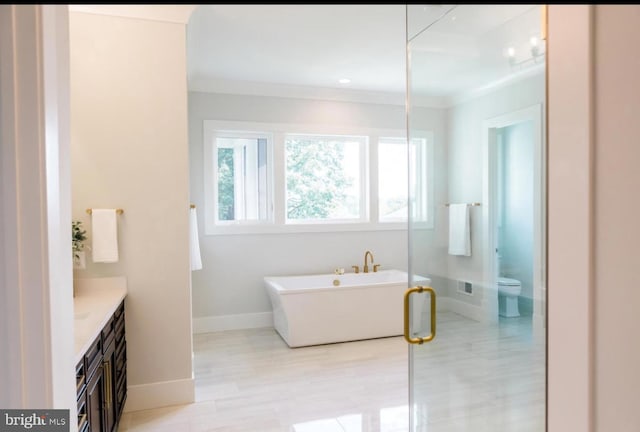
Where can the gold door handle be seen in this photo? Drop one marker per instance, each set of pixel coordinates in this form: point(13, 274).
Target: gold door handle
point(407, 294)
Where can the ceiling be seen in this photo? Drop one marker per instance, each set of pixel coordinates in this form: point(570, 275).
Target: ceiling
point(300, 45)
point(304, 50)
point(314, 46)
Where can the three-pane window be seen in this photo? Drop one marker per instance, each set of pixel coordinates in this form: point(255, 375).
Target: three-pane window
point(275, 181)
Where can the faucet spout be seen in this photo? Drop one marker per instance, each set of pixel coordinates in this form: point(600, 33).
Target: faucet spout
point(366, 266)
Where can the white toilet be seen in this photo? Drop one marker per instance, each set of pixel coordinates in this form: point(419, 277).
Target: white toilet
point(508, 292)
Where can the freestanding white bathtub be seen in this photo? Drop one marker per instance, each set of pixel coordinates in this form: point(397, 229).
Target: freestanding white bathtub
point(311, 310)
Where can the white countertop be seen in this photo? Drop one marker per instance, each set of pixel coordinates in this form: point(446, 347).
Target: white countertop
point(95, 301)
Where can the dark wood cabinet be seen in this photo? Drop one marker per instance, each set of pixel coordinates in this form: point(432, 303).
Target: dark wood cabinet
point(81, 393)
point(101, 380)
point(108, 372)
point(95, 401)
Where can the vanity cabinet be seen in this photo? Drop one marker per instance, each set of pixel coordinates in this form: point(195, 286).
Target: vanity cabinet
point(101, 378)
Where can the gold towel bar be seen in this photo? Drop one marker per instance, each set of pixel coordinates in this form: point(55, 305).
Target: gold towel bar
point(118, 211)
point(469, 204)
point(193, 206)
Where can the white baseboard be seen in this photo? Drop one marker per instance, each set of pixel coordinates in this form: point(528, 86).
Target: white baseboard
point(159, 394)
point(461, 308)
point(232, 322)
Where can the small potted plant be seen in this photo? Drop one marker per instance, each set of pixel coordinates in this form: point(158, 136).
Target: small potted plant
point(78, 236)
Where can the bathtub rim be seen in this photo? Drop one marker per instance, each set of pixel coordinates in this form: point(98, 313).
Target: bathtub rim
point(270, 283)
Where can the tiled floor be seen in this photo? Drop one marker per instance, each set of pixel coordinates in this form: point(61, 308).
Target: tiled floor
point(481, 378)
point(476, 378)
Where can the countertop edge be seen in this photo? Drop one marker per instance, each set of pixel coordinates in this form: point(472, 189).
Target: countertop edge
point(99, 303)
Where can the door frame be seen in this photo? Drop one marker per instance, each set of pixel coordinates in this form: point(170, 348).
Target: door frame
point(532, 113)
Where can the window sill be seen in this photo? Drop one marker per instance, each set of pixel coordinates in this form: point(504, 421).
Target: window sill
point(304, 228)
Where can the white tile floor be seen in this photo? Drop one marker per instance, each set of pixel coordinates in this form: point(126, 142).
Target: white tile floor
point(476, 378)
point(481, 378)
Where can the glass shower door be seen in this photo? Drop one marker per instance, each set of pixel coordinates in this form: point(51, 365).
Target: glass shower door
point(475, 318)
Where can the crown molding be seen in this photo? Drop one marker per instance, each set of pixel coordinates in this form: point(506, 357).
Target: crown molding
point(308, 92)
point(462, 97)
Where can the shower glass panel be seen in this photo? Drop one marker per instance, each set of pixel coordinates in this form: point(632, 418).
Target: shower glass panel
point(477, 345)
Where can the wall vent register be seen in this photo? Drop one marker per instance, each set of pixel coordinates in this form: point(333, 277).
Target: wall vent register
point(465, 287)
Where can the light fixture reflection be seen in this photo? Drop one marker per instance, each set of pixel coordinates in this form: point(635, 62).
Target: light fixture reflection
point(511, 54)
point(535, 49)
point(522, 59)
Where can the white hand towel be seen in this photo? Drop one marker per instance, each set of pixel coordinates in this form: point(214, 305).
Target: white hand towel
point(194, 240)
point(459, 230)
point(104, 225)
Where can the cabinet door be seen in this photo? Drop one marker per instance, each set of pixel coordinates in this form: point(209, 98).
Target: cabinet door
point(108, 376)
point(120, 370)
point(95, 401)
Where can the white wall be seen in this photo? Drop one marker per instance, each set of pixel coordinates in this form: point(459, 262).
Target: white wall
point(230, 282)
point(570, 313)
point(129, 150)
point(465, 166)
point(616, 183)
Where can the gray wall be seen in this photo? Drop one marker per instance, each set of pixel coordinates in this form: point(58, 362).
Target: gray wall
point(230, 282)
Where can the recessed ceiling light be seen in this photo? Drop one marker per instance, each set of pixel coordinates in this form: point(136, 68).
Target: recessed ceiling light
point(344, 80)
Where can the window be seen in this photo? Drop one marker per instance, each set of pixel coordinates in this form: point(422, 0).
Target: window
point(241, 171)
point(273, 178)
point(393, 177)
point(396, 179)
point(324, 178)
point(421, 181)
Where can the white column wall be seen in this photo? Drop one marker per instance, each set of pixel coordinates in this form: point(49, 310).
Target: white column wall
point(616, 182)
point(36, 311)
point(129, 150)
point(570, 225)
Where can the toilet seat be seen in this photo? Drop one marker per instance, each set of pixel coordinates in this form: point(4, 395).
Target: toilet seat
point(509, 287)
point(508, 282)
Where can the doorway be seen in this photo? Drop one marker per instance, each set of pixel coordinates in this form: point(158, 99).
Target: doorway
point(514, 215)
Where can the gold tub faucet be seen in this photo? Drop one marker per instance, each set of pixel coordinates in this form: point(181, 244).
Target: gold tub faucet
point(366, 267)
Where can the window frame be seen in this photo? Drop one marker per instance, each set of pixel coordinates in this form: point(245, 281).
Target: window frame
point(241, 203)
point(277, 183)
point(381, 140)
point(426, 160)
point(213, 131)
